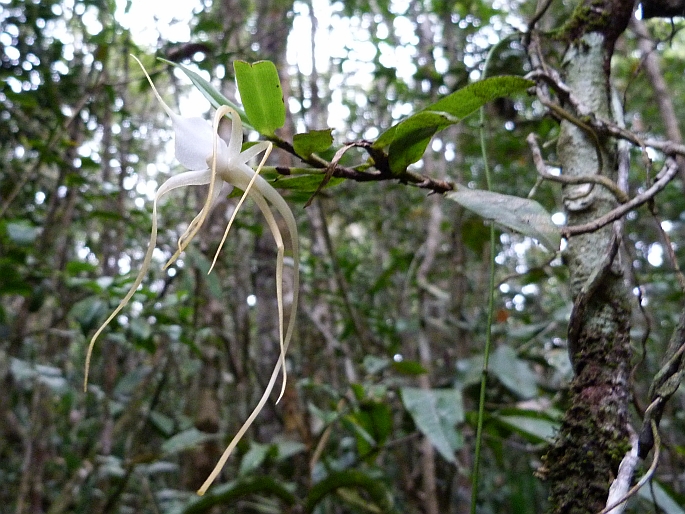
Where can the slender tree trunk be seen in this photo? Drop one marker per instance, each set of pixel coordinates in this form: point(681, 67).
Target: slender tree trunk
point(593, 438)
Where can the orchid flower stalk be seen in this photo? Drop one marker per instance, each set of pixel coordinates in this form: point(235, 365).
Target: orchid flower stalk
point(222, 166)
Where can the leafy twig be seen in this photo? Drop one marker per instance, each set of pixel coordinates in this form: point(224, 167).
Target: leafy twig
point(380, 162)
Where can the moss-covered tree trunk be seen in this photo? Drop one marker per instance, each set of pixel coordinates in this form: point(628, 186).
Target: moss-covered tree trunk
point(583, 461)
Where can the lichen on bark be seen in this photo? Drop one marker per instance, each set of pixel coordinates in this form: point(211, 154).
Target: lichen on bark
point(582, 462)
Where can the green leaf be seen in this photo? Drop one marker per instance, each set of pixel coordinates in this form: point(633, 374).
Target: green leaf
point(286, 449)
point(351, 423)
point(409, 368)
point(199, 260)
point(373, 364)
point(407, 141)
point(47, 375)
point(88, 312)
point(162, 422)
point(254, 458)
point(537, 428)
point(514, 373)
point(326, 416)
point(377, 417)
point(313, 141)
point(435, 413)
point(305, 183)
point(374, 420)
point(212, 95)
point(261, 93)
point(412, 137)
point(12, 280)
point(521, 215)
point(184, 441)
point(131, 381)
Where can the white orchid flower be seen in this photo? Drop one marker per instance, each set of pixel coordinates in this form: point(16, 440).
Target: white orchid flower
point(210, 159)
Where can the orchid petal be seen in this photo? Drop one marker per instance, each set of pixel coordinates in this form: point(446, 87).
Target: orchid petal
point(193, 136)
point(236, 438)
point(236, 141)
point(268, 215)
point(173, 183)
point(196, 224)
point(254, 151)
point(239, 172)
point(246, 189)
point(185, 238)
point(154, 89)
point(188, 178)
point(275, 230)
point(193, 141)
point(269, 193)
point(263, 191)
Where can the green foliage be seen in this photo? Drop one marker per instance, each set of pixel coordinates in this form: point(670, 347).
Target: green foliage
point(535, 426)
point(314, 141)
point(436, 412)
point(305, 181)
point(522, 215)
point(407, 141)
point(184, 441)
point(389, 343)
point(209, 92)
point(261, 93)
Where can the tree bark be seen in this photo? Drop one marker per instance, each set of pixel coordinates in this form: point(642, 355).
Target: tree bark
point(593, 437)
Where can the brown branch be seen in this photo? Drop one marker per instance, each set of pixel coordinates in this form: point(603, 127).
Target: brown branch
point(665, 176)
point(381, 164)
point(565, 179)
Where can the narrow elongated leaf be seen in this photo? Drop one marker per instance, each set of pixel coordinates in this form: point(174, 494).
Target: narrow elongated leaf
point(413, 135)
point(407, 141)
point(313, 141)
point(286, 449)
point(212, 95)
point(261, 93)
point(435, 413)
point(409, 368)
point(521, 215)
